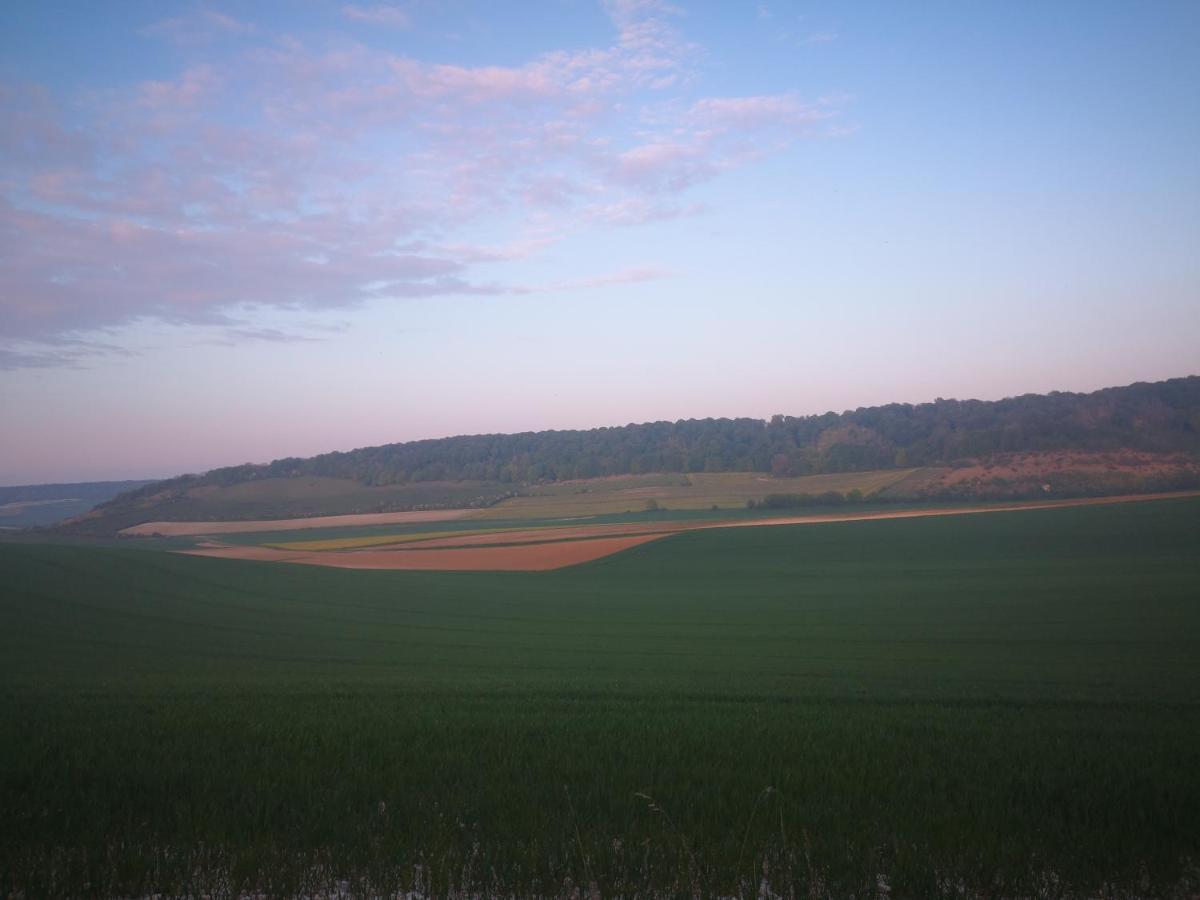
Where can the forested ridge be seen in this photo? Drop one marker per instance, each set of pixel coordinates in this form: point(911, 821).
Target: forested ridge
point(1149, 417)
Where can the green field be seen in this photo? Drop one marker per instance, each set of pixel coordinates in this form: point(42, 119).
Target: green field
point(289, 498)
point(727, 490)
point(993, 705)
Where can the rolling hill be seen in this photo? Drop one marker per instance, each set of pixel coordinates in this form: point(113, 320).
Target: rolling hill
point(1141, 437)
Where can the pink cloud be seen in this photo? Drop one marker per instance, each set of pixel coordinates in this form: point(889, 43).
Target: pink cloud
point(35, 134)
point(392, 16)
point(778, 110)
point(664, 166)
point(478, 85)
point(473, 253)
point(297, 177)
point(199, 27)
point(632, 275)
point(640, 211)
point(190, 88)
point(66, 275)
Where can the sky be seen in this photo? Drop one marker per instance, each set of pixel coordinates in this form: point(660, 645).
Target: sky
point(232, 232)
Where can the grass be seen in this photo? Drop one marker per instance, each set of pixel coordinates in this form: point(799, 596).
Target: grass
point(374, 540)
point(697, 491)
point(993, 705)
point(333, 496)
point(470, 522)
point(300, 497)
point(611, 484)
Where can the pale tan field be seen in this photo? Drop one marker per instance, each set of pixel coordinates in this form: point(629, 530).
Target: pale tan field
point(727, 490)
point(189, 529)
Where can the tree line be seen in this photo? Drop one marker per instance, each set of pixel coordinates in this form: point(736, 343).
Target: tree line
point(1157, 417)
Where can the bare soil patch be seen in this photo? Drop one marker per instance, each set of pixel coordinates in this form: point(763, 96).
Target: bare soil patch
point(187, 529)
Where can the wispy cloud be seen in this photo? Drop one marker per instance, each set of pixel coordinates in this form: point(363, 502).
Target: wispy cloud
point(63, 353)
point(191, 88)
point(642, 210)
point(38, 359)
point(381, 14)
point(200, 27)
point(320, 175)
point(235, 336)
point(271, 335)
point(633, 275)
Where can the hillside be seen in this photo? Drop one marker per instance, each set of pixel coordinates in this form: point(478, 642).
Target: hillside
point(1139, 437)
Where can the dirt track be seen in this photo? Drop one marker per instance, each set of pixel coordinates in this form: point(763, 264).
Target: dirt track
point(543, 549)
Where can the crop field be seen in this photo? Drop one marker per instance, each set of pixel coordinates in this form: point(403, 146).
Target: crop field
point(696, 491)
point(297, 498)
point(289, 504)
point(560, 543)
point(378, 540)
point(258, 526)
point(966, 706)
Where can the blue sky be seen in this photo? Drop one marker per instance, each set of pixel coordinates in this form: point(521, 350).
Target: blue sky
point(231, 232)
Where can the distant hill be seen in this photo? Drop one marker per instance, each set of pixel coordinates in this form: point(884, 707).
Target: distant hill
point(1144, 436)
point(32, 505)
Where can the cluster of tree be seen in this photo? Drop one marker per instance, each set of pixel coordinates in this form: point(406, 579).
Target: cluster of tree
point(1163, 416)
point(1060, 485)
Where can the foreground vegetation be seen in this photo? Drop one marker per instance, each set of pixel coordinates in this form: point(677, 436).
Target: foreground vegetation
point(998, 705)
